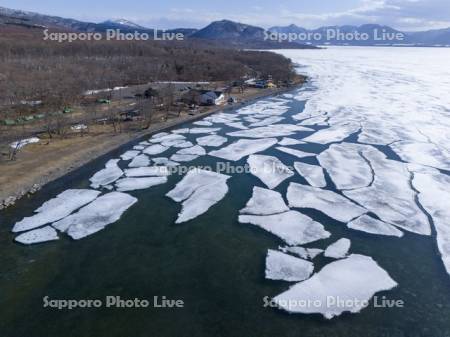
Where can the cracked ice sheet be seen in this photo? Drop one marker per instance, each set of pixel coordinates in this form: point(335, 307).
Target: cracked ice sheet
point(338, 250)
point(370, 225)
point(434, 195)
point(278, 130)
point(292, 227)
point(391, 196)
point(140, 161)
point(199, 190)
point(270, 170)
point(295, 153)
point(354, 280)
point(243, 148)
point(132, 184)
point(212, 141)
point(284, 267)
point(40, 235)
point(313, 174)
point(304, 253)
point(96, 216)
point(328, 202)
point(108, 175)
point(57, 208)
point(423, 153)
point(265, 202)
point(347, 167)
point(335, 133)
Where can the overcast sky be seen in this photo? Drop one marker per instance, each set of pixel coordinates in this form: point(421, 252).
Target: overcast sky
point(400, 14)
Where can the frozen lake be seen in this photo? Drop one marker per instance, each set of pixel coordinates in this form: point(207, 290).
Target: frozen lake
point(348, 197)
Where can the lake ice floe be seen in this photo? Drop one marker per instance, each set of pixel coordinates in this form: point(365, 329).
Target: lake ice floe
point(371, 225)
point(203, 123)
point(243, 148)
point(155, 149)
point(194, 150)
point(347, 167)
point(328, 202)
point(351, 282)
point(270, 170)
point(292, 227)
point(278, 130)
point(434, 196)
point(96, 216)
point(267, 121)
point(211, 141)
point(313, 174)
point(132, 184)
point(183, 157)
point(423, 153)
point(39, 235)
point(57, 208)
point(129, 155)
point(284, 267)
point(198, 191)
point(158, 171)
point(265, 202)
point(295, 153)
point(166, 137)
point(339, 249)
point(335, 133)
point(290, 141)
point(391, 196)
point(304, 253)
point(108, 175)
point(183, 145)
point(165, 161)
point(141, 160)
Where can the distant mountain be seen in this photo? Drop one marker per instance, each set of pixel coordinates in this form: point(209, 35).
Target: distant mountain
point(241, 35)
point(365, 35)
point(123, 23)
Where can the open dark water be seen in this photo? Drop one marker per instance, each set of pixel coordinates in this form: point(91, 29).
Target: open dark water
point(212, 263)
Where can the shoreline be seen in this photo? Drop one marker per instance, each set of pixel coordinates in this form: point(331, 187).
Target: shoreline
point(14, 190)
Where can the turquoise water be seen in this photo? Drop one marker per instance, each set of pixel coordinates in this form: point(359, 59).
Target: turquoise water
point(212, 263)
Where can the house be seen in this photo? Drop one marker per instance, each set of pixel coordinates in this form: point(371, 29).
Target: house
point(211, 97)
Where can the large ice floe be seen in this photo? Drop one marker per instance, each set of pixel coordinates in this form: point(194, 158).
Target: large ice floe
point(286, 141)
point(196, 150)
point(198, 191)
point(158, 171)
point(295, 153)
point(434, 195)
point(284, 267)
point(270, 170)
point(212, 141)
point(339, 249)
point(347, 166)
point(155, 149)
point(313, 174)
point(132, 184)
point(292, 227)
point(328, 202)
point(265, 202)
point(335, 133)
point(423, 153)
point(108, 175)
point(129, 155)
point(39, 235)
point(96, 216)
point(140, 161)
point(391, 196)
point(371, 225)
point(243, 148)
point(277, 130)
point(57, 208)
point(342, 286)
